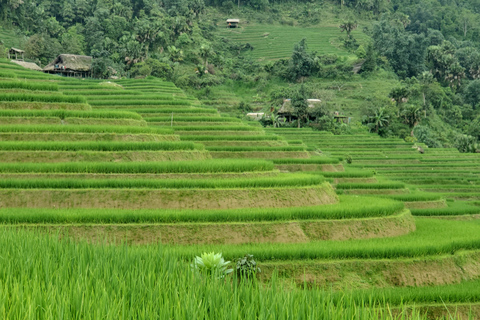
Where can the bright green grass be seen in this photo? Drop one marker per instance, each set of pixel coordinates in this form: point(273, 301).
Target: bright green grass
point(83, 129)
point(415, 196)
point(177, 110)
point(7, 74)
point(254, 148)
point(101, 92)
point(350, 207)
point(228, 138)
point(381, 185)
point(323, 160)
point(70, 114)
point(120, 102)
point(282, 180)
point(28, 85)
point(453, 209)
point(45, 278)
point(41, 97)
point(432, 237)
point(464, 292)
point(210, 166)
point(133, 97)
point(97, 146)
point(218, 128)
point(192, 119)
point(348, 174)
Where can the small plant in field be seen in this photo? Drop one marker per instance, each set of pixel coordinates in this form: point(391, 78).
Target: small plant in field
point(349, 159)
point(212, 263)
point(247, 266)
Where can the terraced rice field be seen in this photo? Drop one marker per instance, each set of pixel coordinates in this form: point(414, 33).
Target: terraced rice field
point(271, 42)
point(139, 164)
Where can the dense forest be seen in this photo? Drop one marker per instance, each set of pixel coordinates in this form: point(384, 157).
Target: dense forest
point(430, 48)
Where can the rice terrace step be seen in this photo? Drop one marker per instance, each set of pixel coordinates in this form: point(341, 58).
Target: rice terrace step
point(137, 169)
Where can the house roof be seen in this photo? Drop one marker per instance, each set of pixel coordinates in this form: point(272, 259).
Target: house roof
point(233, 20)
point(16, 50)
point(28, 65)
point(287, 105)
point(70, 62)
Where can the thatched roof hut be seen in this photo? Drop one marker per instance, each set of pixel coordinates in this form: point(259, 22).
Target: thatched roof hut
point(28, 65)
point(287, 108)
point(70, 65)
point(233, 23)
point(15, 52)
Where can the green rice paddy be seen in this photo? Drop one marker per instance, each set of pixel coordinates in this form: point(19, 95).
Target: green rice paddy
point(44, 277)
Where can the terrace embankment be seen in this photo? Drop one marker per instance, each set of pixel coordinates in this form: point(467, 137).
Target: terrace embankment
point(239, 233)
point(364, 274)
point(153, 176)
point(426, 204)
point(310, 167)
point(448, 311)
point(169, 198)
point(101, 156)
point(70, 121)
point(85, 137)
point(259, 154)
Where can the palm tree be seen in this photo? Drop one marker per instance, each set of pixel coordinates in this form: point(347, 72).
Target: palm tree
point(379, 119)
point(411, 115)
point(348, 26)
point(205, 52)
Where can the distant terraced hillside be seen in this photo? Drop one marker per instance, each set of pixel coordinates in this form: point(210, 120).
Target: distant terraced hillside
point(272, 42)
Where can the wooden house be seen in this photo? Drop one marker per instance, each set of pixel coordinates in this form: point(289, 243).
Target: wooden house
point(70, 65)
point(15, 52)
point(287, 112)
point(233, 23)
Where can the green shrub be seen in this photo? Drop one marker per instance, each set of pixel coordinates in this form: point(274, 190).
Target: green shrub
point(247, 267)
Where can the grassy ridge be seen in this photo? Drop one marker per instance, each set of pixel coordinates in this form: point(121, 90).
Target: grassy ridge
point(416, 196)
point(263, 182)
point(261, 148)
point(135, 97)
point(217, 128)
point(464, 292)
point(71, 113)
point(432, 237)
point(453, 209)
point(177, 110)
point(228, 138)
point(306, 161)
point(83, 128)
point(139, 102)
point(98, 146)
point(41, 97)
point(210, 166)
point(192, 119)
point(347, 174)
point(35, 105)
point(350, 207)
point(28, 85)
point(381, 185)
point(101, 92)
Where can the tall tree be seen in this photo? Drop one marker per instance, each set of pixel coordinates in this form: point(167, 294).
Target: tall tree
point(147, 31)
point(404, 50)
point(301, 62)
point(300, 104)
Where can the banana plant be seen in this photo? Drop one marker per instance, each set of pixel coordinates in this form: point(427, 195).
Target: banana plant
point(212, 263)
